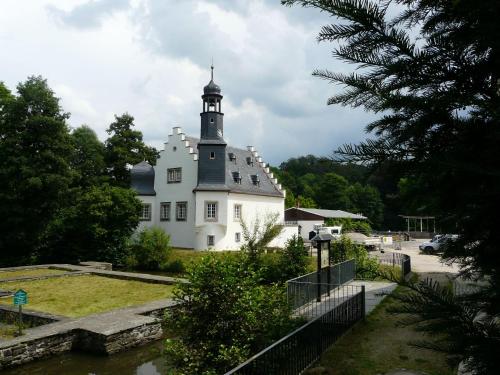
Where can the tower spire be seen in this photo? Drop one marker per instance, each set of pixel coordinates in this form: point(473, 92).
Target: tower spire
point(212, 67)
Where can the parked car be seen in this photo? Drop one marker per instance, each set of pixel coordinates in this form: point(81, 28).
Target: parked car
point(437, 242)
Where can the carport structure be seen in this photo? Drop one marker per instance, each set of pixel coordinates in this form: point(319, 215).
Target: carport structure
point(420, 223)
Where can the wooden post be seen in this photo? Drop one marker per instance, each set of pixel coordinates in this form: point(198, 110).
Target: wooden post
point(20, 320)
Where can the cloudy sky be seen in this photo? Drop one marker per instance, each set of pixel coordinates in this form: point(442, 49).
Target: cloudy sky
point(151, 58)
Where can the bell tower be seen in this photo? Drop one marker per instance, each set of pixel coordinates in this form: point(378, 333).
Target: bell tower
point(212, 146)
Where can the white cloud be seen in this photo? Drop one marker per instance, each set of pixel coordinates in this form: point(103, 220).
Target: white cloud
point(151, 57)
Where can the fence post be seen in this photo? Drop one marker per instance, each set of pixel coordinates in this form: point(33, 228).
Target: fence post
point(393, 259)
point(363, 299)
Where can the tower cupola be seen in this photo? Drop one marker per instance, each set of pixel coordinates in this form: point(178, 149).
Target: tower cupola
point(212, 146)
point(212, 117)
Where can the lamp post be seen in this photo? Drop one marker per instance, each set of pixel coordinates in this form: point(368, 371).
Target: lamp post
point(322, 241)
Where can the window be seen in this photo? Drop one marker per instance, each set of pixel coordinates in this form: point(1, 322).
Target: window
point(146, 212)
point(237, 212)
point(181, 211)
point(174, 175)
point(210, 211)
point(237, 237)
point(210, 240)
point(165, 211)
point(211, 120)
point(237, 177)
point(212, 155)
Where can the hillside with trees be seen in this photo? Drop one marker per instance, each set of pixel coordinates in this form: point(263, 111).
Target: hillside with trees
point(321, 182)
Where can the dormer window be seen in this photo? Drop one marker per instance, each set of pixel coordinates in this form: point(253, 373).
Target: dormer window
point(237, 177)
point(232, 157)
point(255, 179)
point(250, 160)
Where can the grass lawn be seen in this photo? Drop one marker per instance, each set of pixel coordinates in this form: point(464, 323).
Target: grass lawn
point(7, 331)
point(379, 345)
point(78, 296)
point(29, 272)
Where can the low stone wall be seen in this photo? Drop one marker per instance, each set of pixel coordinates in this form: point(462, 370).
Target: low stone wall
point(23, 352)
point(106, 333)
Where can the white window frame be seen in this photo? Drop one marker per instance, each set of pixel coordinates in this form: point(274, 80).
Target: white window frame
point(237, 237)
point(165, 217)
point(210, 240)
point(237, 208)
point(211, 210)
point(146, 212)
point(174, 175)
point(212, 155)
point(179, 208)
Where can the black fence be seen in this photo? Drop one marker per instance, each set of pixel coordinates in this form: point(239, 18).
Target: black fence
point(396, 260)
point(305, 289)
point(297, 351)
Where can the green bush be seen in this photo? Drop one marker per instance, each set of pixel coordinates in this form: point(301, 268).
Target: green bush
point(175, 266)
point(224, 316)
point(294, 260)
point(344, 249)
point(149, 249)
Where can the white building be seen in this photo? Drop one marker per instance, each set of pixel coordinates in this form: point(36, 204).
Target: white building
point(201, 189)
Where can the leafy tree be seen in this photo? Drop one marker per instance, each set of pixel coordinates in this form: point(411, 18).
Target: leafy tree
point(224, 316)
point(366, 200)
point(149, 249)
point(35, 174)
point(306, 202)
point(333, 192)
point(96, 226)
point(125, 147)
point(88, 157)
point(431, 69)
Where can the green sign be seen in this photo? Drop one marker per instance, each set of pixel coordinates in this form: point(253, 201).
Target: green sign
point(20, 298)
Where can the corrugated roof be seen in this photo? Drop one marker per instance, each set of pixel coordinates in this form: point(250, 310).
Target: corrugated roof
point(331, 214)
point(265, 185)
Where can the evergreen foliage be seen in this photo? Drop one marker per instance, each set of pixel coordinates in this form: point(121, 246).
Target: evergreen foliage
point(431, 69)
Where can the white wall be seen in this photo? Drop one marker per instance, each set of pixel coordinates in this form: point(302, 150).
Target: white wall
point(181, 232)
point(226, 227)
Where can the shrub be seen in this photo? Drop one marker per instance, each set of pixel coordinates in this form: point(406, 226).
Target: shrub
point(344, 249)
point(175, 266)
point(224, 316)
point(149, 249)
point(294, 259)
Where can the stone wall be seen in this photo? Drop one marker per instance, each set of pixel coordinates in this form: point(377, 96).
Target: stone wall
point(22, 352)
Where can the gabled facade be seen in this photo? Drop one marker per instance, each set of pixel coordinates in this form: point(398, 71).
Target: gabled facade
point(201, 188)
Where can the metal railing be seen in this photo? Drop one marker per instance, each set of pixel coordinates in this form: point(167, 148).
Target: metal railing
point(396, 260)
point(305, 289)
point(297, 351)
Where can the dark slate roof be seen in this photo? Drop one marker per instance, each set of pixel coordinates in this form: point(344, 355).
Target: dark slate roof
point(211, 88)
point(142, 178)
point(265, 186)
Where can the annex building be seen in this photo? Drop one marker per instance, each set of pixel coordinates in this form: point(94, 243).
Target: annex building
point(201, 188)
